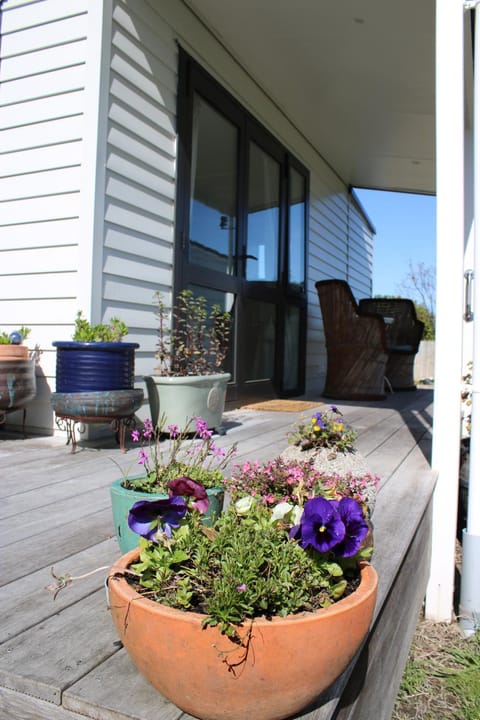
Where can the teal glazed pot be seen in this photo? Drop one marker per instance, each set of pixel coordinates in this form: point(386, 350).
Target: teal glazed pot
point(123, 499)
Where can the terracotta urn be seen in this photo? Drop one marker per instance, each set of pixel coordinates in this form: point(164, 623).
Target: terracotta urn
point(282, 667)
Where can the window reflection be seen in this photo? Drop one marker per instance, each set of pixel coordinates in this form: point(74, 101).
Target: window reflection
point(263, 216)
point(296, 235)
point(213, 189)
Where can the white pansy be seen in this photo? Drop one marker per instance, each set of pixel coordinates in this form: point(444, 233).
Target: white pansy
point(280, 510)
point(244, 505)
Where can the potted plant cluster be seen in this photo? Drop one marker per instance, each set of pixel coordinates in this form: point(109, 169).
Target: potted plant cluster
point(256, 615)
point(17, 371)
point(95, 371)
point(189, 381)
point(170, 454)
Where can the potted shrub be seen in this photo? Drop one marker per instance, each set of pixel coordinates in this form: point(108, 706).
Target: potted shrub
point(17, 372)
point(95, 358)
point(167, 456)
point(189, 380)
point(95, 373)
point(264, 610)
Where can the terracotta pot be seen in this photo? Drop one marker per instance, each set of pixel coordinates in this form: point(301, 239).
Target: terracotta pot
point(123, 498)
point(289, 662)
point(13, 352)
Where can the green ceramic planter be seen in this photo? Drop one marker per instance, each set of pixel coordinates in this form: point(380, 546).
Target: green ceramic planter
point(179, 399)
point(123, 499)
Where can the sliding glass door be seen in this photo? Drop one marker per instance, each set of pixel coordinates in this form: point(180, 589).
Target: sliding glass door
point(241, 234)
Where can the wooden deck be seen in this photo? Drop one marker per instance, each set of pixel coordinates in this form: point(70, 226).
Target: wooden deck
point(60, 660)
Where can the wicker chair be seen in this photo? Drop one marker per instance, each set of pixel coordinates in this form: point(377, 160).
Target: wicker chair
point(404, 332)
point(356, 345)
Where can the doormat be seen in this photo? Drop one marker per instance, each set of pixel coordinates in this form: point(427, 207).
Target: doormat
point(283, 405)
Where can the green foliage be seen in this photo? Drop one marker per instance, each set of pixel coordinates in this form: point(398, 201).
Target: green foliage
point(85, 332)
point(197, 343)
point(426, 317)
point(170, 452)
point(246, 566)
point(5, 337)
point(413, 678)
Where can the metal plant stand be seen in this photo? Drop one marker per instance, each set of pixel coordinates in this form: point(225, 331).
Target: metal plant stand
point(74, 411)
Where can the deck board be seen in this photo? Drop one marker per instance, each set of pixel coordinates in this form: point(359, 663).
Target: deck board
point(60, 660)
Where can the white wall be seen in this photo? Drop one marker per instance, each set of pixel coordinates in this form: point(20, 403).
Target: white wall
point(41, 109)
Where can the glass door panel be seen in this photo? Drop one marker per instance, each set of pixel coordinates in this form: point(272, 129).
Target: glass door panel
point(213, 199)
point(291, 343)
point(263, 224)
point(258, 351)
point(296, 231)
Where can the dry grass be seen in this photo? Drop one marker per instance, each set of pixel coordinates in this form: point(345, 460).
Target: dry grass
point(425, 693)
point(442, 677)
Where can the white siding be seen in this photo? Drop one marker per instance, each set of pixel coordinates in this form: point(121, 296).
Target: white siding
point(41, 105)
point(140, 177)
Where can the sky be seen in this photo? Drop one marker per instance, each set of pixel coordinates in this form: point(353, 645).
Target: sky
point(405, 232)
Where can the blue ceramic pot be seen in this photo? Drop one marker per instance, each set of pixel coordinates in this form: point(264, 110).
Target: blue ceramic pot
point(93, 366)
point(123, 499)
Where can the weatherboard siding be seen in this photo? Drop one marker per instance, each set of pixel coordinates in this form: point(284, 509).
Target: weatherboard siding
point(42, 77)
point(140, 172)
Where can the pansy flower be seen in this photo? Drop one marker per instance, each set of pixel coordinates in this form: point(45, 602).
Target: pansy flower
point(356, 528)
point(146, 517)
point(187, 486)
point(321, 526)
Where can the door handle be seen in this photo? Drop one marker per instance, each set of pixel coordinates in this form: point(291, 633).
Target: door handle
point(468, 314)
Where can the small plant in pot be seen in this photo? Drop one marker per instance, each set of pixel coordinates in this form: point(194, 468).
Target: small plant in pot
point(167, 455)
point(239, 603)
point(95, 359)
point(326, 439)
point(193, 342)
point(95, 373)
point(11, 344)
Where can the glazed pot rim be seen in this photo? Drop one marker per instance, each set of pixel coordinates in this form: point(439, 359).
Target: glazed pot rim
point(118, 484)
point(368, 587)
point(72, 344)
point(178, 379)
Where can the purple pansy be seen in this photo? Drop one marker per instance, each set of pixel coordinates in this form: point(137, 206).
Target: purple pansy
point(320, 526)
point(356, 527)
point(146, 517)
point(187, 486)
